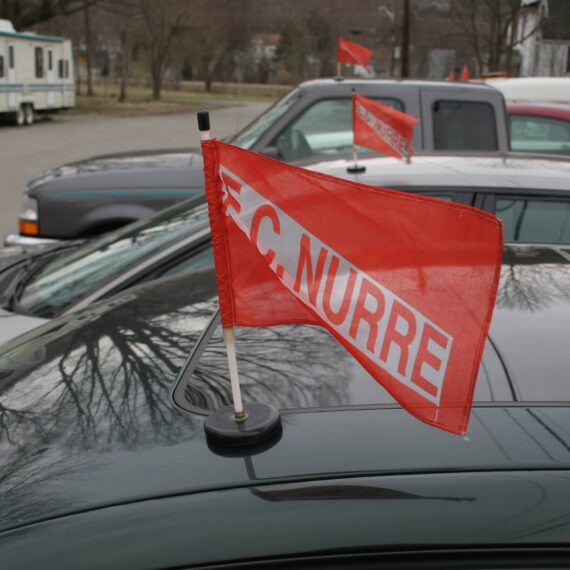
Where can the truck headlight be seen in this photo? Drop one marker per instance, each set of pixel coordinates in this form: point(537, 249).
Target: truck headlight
point(28, 223)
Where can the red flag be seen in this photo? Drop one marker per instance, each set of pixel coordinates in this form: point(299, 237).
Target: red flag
point(349, 52)
point(465, 76)
point(406, 283)
point(382, 128)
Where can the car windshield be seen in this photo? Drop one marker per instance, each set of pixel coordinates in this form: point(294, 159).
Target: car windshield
point(67, 279)
point(248, 136)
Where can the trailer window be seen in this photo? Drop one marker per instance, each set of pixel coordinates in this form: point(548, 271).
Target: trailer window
point(1, 66)
point(11, 57)
point(62, 69)
point(50, 60)
point(39, 62)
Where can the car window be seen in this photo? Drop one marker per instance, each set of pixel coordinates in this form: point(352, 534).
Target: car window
point(533, 220)
point(464, 125)
point(324, 129)
point(67, 279)
point(539, 134)
point(249, 136)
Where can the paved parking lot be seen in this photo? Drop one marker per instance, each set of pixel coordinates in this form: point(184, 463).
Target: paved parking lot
point(27, 152)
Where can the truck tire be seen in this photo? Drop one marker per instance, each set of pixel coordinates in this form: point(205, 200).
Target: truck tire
point(29, 114)
point(19, 116)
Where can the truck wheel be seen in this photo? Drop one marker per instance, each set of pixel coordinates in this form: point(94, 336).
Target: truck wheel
point(29, 114)
point(20, 116)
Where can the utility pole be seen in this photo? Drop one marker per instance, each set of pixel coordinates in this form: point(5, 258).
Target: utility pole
point(406, 40)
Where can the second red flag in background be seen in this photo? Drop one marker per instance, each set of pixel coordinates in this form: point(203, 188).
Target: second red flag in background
point(465, 75)
point(350, 52)
point(379, 127)
point(406, 283)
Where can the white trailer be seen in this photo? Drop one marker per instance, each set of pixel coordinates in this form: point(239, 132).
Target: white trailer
point(36, 74)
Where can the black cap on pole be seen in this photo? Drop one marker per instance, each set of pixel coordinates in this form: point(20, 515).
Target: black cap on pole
point(203, 120)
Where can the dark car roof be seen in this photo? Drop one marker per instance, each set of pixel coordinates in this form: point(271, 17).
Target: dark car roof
point(168, 170)
point(87, 422)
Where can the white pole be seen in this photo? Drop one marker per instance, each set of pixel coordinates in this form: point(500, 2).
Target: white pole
point(230, 341)
point(355, 155)
point(229, 333)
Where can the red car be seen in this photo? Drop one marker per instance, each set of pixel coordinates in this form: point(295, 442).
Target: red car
point(543, 128)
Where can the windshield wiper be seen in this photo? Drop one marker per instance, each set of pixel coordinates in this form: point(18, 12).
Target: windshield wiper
point(33, 263)
point(23, 275)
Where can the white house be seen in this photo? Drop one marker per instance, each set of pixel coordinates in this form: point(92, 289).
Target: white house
point(545, 53)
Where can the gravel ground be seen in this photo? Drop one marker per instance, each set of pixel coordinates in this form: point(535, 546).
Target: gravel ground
point(28, 151)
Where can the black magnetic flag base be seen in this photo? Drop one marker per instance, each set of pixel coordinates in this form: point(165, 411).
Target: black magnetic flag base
point(262, 422)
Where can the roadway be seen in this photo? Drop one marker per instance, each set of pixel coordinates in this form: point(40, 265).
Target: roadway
point(26, 152)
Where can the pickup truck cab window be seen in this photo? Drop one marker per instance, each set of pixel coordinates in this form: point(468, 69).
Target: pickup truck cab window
point(464, 125)
point(324, 129)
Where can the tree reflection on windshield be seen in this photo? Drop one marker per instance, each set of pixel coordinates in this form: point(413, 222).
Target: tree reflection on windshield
point(532, 279)
point(288, 366)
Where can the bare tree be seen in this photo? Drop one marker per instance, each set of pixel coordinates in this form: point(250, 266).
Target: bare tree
point(219, 32)
point(126, 18)
point(490, 28)
point(28, 13)
point(88, 47)
point(163, 22)
point(308, 40)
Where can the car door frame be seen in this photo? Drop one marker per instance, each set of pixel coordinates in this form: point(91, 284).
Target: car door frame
point(431, 95)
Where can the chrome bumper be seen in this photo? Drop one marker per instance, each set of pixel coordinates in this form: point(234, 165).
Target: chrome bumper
point(27, 241)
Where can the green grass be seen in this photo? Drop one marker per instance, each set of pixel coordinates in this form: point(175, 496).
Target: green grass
point(190, 97)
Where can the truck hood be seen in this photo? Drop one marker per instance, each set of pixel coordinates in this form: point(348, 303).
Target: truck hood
point(161, 170)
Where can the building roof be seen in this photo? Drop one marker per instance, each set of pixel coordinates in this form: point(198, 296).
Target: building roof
point(32, 36)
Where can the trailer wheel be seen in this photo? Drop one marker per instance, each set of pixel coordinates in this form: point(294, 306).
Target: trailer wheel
point(20, 116)
point(29, 114)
